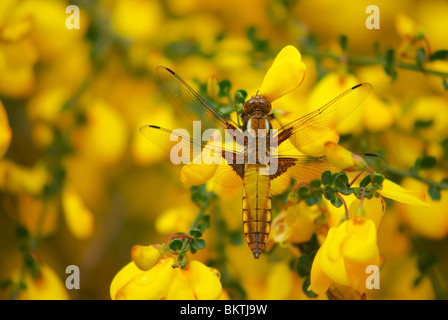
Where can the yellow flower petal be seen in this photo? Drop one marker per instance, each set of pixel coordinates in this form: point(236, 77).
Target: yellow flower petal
point(360, 246)
point(286, 73)
point(395, 192)
point(5, 131)
point(319, 280)
point(47, 286)
point(79, 218)
point(373, 209)
point(153, 284)
point(204, 281)
point(331, 259)
point(430, 222)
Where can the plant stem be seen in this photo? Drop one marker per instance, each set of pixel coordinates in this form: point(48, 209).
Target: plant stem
point(372, 61)
point(403, 173)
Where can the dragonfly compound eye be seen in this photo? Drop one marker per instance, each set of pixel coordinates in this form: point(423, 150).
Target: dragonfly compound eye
point(257, 103)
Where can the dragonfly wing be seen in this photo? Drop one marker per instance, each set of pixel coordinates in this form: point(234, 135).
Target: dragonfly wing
point(317, 124)
point(182, 95)
point(226, 170)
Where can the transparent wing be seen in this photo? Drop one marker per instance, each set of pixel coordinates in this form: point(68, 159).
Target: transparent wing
point(320, 122)
point(192, 103)
point(183, 149)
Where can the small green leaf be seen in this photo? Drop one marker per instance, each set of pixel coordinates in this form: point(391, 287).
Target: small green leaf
point(343, 42)
point(240, 96)
point(341, 180)
point(427, 162)
point(379, 178)
point(315, 184)
point(434, 193)
point(303, 192)
point(304, 263)
point(313, 199)
point(176, 245)
point(195, 233)
point(327, 178)
point(336, 202)
point(445, 84)
point(439, 55)
point(365, 182)
point(329, 193)
point(389, 66)
point(224, 88)
point(423, 124)
point(198, 244)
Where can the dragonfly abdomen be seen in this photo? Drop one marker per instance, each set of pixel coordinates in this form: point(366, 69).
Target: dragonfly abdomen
point(256, 208)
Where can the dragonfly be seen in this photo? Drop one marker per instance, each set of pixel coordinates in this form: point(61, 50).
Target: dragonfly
point(243, 165)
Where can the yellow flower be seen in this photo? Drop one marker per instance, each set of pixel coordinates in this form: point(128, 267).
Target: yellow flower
point(79, 218)
point(46, 286)
point(286, 73)
point(396, 192)
point(162, 281)
point(16, 179)
point(295, 224)
point(5, 131)
point(136, 19)
point(345, 255)
point(430, 221)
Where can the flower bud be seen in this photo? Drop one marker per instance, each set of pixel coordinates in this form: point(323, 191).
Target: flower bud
point(212, 87)
point(145, 257)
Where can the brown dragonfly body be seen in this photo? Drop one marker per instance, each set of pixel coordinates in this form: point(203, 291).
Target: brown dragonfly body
point(247, 165)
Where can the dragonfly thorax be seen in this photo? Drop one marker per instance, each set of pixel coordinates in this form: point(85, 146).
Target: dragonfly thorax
point(257, 103)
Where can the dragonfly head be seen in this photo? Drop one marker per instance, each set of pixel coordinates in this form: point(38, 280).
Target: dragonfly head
point(257, 103)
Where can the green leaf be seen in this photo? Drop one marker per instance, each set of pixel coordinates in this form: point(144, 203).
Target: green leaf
point(427, 162)
point(240, 96)
point(341, 180)
point(365, 182)
point(445, 84)
point(198, 244)
point(176, 245)
point(313, 199)
point(303, 192)
point(329, 193)
point(343, 42)
point(434, 193)
point(315, 184)
point(336, 202)
point(422, 124)
point(389, 66)
point(195, 233)
point(304, 263)
point(379, 179)
point(224, 88)
point(327, 178)
point(439, 55)
point(204, 223)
